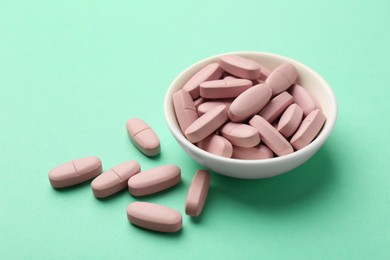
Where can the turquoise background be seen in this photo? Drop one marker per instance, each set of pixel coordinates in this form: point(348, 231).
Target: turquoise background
point(73, 72)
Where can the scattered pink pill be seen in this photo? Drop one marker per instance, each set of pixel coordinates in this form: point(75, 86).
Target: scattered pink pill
point(206, 106)
point(154, 180)
point(276, 106)
point(210, 72)
point(240, 67)
point(249, 103)
point(252, 153)
point(185, 110)
point(224, 88)
point(206, 124)
point(290, 120)
point(115, 179)
point(197, 193)
point(308, 129)
point(303, 99)
point(75, 172)
point(240, 134)
point(271, 137)
point(282, 78)
point(217, 145)
point(143, 137)
point(154, 217)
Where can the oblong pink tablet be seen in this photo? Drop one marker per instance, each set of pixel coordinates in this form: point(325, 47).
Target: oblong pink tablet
point(252, 153)
point(154, 180)
point(249, 102)
point(302, 98)
point(276, 106)
point(143, 137)
point(115, 179)
point(271, 137)
point(197, 193)
point(224, 88)
point(75, 172)
point(217, 145)
point(308, 130)
point(206, 124)
point(290, 120)
point(185, 110)
point(199, 101)
point(264, 73)
point(240, 134)
point(210, 72)
point(154, 217)
point(240, 67)
point(206, 106)
point(282, 78)
point(229, 78)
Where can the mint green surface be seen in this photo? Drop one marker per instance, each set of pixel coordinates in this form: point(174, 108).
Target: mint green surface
point(73, 72)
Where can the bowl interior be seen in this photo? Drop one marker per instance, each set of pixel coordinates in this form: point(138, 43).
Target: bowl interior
point(309, 79)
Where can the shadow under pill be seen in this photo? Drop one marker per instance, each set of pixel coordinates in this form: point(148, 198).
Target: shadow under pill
point(169, 235)
point(155, 157)
point(162, 193)
point(199, 219)
point(112, 197)
point(302, 184)
point(74, 187)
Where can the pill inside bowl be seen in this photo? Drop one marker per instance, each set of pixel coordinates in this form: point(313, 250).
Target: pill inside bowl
point(238, 108)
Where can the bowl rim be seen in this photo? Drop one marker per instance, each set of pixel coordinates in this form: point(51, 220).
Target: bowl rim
point(318, 141)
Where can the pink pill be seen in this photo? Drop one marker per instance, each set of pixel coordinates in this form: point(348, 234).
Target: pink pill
point(199, 101)
point(249, 103)
point(154, 180)
point(224, 88)
point(240, 134)
point(290, 120)
point(252, 153)
point(276, 106)
point(143, 137)
point(229, 78)
point(185, 110)
point(75, 172)
point(154, 217)
point(264, 73)
point(240, 67)
point(206, 124)
point(210, 72)
point(197, 193)
point(115, 179)
point(303, 99)
point(308, 130)
point(206, 106)
point(282, 78)
point(217, 145)
point(271, 137)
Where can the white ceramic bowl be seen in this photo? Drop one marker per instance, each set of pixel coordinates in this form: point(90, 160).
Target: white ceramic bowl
point(253, 169)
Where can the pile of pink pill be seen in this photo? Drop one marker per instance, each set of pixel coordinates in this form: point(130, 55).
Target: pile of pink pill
point(237, 108)
point(139, 183)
